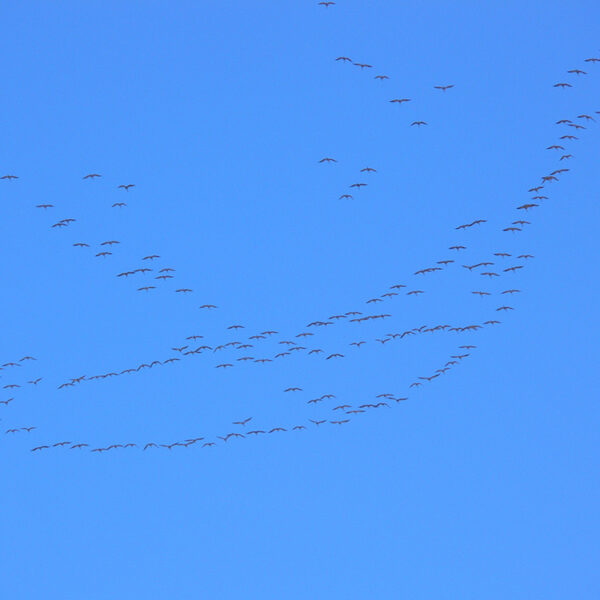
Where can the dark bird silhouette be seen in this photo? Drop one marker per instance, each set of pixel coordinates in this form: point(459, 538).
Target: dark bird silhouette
point(381, 77)
point(327, 159)
point(443, 87)
point(344, 59)
point(418, 123)
point(91, 176)
point(126, 187)
point(44, 206)
point(400, 100)
point(562, 85)
point(9, 177)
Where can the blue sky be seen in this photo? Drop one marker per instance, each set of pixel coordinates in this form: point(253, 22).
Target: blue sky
point(483, 483)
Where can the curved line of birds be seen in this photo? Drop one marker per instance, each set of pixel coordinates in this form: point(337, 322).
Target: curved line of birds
point(358, 316)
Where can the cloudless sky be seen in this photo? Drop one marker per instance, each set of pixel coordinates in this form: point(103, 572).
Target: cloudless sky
point(483, 484)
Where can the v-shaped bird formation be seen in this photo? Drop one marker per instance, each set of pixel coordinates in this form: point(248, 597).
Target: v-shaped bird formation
point(495, 278)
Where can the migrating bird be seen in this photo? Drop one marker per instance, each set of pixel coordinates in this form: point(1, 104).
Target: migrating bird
point(9, 177)
point(381, 77)
point(126, 187)
point(418, 123)
point(91, 176)
point(400, 100)
point(327, 159)
point(443, 87)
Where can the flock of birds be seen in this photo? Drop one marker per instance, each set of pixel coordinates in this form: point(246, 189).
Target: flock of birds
point(257, 349)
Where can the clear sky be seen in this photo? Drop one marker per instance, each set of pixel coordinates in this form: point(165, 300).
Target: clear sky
point(483, 483)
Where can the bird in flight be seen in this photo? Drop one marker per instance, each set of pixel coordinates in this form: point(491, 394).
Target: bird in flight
point(126, 187)
point(91, 176)
point(81, 245)
point(443, 87)
point(9, 177)
point(328, 160)
point(381, 77)
point(45, 206)
point(577, 72)
point(326, 4)
point(418, 123)
point(562, 85)
point(243, 422)
point(119, 204)
point(363, 66)
point(344, 59)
